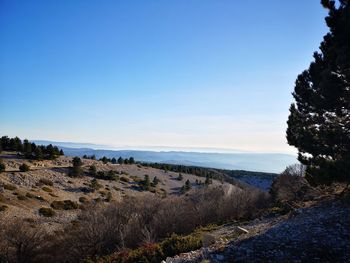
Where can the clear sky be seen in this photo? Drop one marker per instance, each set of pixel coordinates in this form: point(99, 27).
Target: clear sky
point(181, 73)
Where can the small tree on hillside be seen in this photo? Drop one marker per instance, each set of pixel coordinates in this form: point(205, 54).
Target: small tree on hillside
point(146, 183)
point(77, 166)
point(120, 160)
point(318, 123)
point(131, 160)
point(92, 170)
point(155, 181)
point(208, 180)
point(24, 167)
point(38, 153)
point(27, 148)
point(114, 161)
point(2, 166)
point(104, 159)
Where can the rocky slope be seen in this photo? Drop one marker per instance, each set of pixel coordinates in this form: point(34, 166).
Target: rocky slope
point(319, 232)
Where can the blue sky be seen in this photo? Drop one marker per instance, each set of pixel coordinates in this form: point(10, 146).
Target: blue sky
point(184, 73)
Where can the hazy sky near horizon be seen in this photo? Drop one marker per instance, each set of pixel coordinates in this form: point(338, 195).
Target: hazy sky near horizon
point(185, 73)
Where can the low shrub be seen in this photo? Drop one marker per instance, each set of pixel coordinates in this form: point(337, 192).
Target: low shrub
point(110, 175)
point(47, 189)
point(47, 212)
point(29, 195)
point(176, 244)
point(24, 167)
point(46, 182)
point(83, 200)
point(64, 205)
point(3, 208)
point(94, 184)
point(21, 197)
point(10, 187)
point(124, 179)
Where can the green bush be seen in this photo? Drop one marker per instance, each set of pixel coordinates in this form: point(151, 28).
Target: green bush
point(179, 244)
point(47, 212)
point(64, 205)
point(151, 252)
point(94, 184)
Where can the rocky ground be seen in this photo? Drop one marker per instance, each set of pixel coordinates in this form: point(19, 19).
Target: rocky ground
point(319, 232)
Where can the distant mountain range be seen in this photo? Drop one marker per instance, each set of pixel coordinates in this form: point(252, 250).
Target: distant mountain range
point(260, 162)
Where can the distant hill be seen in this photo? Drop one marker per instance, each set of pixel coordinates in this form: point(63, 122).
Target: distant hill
point(260, 162)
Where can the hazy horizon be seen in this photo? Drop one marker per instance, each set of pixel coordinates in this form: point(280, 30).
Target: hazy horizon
point(184, 74)
point(156, 148)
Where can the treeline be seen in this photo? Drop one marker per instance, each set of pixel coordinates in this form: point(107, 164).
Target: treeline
point(29, 149)
point(113, 160)
point(208, 173)
point(243, 173)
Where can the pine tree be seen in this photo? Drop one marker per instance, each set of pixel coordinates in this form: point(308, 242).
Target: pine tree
point(114, 161)
point(155, 181)
point(146, 183)
point(38, 153)
point(188, 185)
point(27, 148)
point(77, 169)
point(2, 166)
point(319, 121)
point(120, 160)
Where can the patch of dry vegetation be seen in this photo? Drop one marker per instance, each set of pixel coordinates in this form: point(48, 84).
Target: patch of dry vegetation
point(106, 229)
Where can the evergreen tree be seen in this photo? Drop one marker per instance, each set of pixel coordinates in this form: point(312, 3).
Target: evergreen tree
point(38, 153)
point(92, 170)
point(77, 161)
point(27, 148)
point(2, 166)
point(131, 160)
point(319, 120)
point(104, 159)
point(146, 184)
point(77, 169)
point(155, 181)
point(208, 180)
point(180, 177)
point(188, 185)
point(120, 160)
point(114, 161)
point(61, 152)
point(24, 168)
